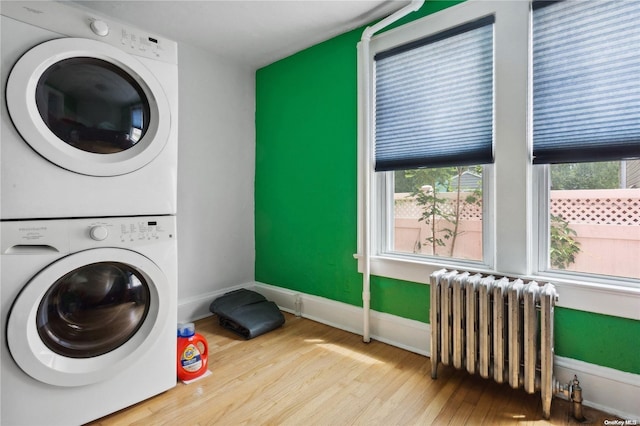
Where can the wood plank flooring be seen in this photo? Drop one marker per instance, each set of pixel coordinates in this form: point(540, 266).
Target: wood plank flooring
point(307, 373)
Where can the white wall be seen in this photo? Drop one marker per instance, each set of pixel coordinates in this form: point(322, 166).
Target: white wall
point(216, 153)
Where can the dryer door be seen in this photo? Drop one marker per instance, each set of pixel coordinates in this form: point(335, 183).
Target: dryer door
point(88, 107)
point(86, 316)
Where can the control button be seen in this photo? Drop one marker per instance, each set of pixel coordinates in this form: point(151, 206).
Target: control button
point(99, 233)
point(99, 28)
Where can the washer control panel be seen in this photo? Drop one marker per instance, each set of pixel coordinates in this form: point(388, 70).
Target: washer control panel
point(131, 231)
point(70, 235)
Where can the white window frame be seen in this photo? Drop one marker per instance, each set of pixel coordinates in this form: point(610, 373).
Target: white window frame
point(515, 243)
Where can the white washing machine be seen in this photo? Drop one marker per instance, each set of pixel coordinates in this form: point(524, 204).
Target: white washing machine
point(89, 127)
point(89, 307)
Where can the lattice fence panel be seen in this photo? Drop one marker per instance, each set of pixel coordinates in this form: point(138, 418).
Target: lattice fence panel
point(596, 210)
point(407, 208)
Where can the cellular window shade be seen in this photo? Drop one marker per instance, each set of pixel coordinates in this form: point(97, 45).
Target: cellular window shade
point(434, 100)
point(586, 81)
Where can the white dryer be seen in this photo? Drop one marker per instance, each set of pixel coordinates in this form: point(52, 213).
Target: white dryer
point(89, 310)
point(89, 128)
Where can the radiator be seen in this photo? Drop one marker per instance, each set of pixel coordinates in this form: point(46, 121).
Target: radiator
point(499, 328)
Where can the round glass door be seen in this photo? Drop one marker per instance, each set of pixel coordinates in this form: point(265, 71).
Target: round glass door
point(88, 107)
point(92, 105)
point(93, 309)
point(88, 315)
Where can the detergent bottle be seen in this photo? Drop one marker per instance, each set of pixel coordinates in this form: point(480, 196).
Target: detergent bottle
point(192, 352)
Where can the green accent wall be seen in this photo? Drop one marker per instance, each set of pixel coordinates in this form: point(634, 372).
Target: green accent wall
point(402, 298)
point(306, 195)
point(598, 339)
point(305, 184)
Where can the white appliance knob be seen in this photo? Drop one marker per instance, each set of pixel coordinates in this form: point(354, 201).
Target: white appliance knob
point(99, 28)
point(99, 233)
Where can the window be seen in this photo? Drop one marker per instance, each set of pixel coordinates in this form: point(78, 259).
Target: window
point(586, 109)
point(564, 144)
point(433, 132)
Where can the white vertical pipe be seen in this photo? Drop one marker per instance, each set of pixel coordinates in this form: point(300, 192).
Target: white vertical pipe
point(367, 161)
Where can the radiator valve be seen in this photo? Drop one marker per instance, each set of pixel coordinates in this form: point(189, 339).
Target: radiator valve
point(573, 392)
point(576, 399)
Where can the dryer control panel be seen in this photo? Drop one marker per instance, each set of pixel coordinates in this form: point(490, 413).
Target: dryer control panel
point(80, 22)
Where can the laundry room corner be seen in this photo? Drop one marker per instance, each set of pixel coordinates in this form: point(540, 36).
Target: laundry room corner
point(216, 158)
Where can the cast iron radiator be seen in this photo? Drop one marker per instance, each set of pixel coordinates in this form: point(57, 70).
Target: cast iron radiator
point(498, 328)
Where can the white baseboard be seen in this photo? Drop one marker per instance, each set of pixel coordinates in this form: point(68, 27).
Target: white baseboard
point(397, 331)
point(612, 391)
point(603, 388)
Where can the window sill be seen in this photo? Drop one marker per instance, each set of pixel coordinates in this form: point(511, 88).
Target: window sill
point(601, 298)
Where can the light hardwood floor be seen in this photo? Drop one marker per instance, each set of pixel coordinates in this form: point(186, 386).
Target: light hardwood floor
point(307, 373)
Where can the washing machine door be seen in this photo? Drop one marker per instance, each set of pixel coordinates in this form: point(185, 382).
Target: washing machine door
point(88, 107)
point(86, 316)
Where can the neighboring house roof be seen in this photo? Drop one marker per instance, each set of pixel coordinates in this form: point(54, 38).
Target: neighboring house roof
point(469, 181)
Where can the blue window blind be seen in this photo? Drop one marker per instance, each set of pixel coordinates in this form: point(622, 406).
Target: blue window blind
point(434, 100)
point(586, 81)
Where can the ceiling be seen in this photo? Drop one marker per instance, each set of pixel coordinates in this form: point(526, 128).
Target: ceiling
point(251, 32)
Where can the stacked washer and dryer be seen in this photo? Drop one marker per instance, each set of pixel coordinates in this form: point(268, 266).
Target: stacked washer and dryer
point(88, 239)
